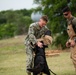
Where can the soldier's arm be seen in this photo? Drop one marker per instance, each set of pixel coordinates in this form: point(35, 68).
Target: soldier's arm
point(32, 37)
point(74, 26)
point(74, 21)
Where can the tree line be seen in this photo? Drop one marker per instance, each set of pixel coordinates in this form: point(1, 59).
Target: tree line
point(57, 23)
point(14, 22)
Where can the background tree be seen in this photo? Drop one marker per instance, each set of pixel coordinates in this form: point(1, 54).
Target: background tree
point(14, 23)
point(57, 23)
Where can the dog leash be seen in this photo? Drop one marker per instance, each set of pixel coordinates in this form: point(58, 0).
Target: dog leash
point(52, 72)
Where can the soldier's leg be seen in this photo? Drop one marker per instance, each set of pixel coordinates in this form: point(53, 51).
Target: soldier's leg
point(74, 63)
point(73, 56)
point(29, 59)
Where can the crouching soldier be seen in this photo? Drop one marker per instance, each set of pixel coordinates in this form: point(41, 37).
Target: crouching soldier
point(36, 30)
point(40, 63)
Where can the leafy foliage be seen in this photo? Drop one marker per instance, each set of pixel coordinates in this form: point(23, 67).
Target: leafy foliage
point(14, 22)
point(57, 23)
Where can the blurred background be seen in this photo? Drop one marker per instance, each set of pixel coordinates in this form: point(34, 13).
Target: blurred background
point(15, 18)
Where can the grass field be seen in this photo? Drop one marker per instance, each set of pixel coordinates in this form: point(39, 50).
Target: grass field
point(12, 59)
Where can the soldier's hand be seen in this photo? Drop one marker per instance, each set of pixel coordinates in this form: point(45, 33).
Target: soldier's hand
point(67, 44)
point(72, 43)
point(39, 44)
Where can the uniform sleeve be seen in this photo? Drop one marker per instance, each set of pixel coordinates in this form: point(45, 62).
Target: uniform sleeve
point(74, 24)
point(74, 21)
point(32, 37)
point(74, 27)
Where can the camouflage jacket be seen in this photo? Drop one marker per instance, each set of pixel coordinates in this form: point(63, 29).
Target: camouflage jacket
point(71, 28)
point(34, 33)
point(73, 22)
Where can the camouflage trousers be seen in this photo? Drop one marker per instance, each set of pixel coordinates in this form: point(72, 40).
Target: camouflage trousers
point(29, 57)
point(73, 55)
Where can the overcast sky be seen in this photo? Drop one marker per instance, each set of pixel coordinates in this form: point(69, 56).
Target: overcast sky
point(16, 4)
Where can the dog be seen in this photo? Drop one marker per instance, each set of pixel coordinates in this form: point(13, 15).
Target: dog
point(40, 63)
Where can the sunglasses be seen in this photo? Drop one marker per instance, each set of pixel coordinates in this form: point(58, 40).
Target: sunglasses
point(65, 14)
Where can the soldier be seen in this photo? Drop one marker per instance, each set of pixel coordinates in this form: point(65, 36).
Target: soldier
point(36, 31)
point(71, 30)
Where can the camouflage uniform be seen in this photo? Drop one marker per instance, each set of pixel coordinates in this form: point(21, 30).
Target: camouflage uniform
point(71, 30)
point(34, 33)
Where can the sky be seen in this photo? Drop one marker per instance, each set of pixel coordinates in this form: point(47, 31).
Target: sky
point(16, 4)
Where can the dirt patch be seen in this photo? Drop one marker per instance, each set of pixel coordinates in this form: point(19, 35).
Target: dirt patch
point(52, 53)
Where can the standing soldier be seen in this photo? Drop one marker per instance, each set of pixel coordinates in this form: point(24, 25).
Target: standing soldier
point(36, 31)
point(71, 30)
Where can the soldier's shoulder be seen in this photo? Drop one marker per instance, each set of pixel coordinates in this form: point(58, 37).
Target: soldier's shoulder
point(45, 27)
point(74, 20)
point(33, 24)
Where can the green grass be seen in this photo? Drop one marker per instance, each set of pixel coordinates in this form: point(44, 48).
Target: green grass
point(12, 59)
point(62, 65)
